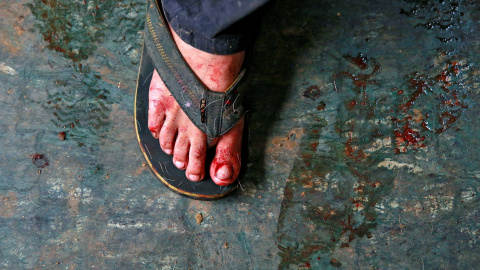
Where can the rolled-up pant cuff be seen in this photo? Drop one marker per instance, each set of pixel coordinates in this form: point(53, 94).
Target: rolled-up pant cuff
point(221, 44)
point(215, 26)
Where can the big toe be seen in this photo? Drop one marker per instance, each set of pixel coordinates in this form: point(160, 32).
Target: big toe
point(225, 167)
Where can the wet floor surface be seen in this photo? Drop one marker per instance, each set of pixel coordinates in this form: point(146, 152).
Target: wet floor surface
point(364, 143)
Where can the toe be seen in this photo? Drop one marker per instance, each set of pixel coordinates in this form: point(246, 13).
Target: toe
point(167, 135)
point(180, 152)
point(156, 112)
point(225, 167)
point(226, 164)
point(156, 116)
point(196, 158)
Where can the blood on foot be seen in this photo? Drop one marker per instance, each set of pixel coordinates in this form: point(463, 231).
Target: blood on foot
point(214, 78)
point(182, 129)
point(223, 171)
point(153, 128)
point(155, 104)
point(199, 152)
point(224, 158)
point(154, 86)
point(168, 102)
point(218, 163)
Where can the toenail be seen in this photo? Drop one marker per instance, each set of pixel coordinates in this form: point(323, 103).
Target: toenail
point(179, 164)
point(194, 177)
point(225, 172)
point(168, 151)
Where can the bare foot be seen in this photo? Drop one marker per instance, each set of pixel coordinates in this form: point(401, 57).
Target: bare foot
point(179, 136)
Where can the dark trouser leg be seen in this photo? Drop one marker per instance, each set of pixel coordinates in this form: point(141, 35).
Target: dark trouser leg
point(215, 26)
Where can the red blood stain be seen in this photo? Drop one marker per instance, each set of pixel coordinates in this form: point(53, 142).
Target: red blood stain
point(406, 136)
point(450, 70)
point(155, 104)
point(62, 135)
point(362, 80)
point(40, 160)
point(446, 120)
point(219, 162)
point(321, 106)
point(307, 265)
point(351, 104)
point(451, 106)
point(231, 71)
point(309, 249)
point(360, 61)
point(167, 103)
point(313, 92)
point(335, 263)
point(153, 86)
point(216, 75)
point(222, 159)
point(348, 227)
point(182, 129)
point(358, 204)
point(420, 86)
point(351, 152)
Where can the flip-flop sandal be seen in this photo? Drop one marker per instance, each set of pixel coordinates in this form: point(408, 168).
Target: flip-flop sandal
point(212, 112)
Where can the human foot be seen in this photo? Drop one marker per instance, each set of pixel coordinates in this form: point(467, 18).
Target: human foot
point(179, 136)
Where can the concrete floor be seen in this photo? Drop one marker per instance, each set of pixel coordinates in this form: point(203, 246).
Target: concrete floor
point(364, 143)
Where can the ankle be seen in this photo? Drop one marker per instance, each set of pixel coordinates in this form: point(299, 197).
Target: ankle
point(217, 72)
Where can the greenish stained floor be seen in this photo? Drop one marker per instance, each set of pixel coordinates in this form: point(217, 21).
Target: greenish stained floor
point(364, 143)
